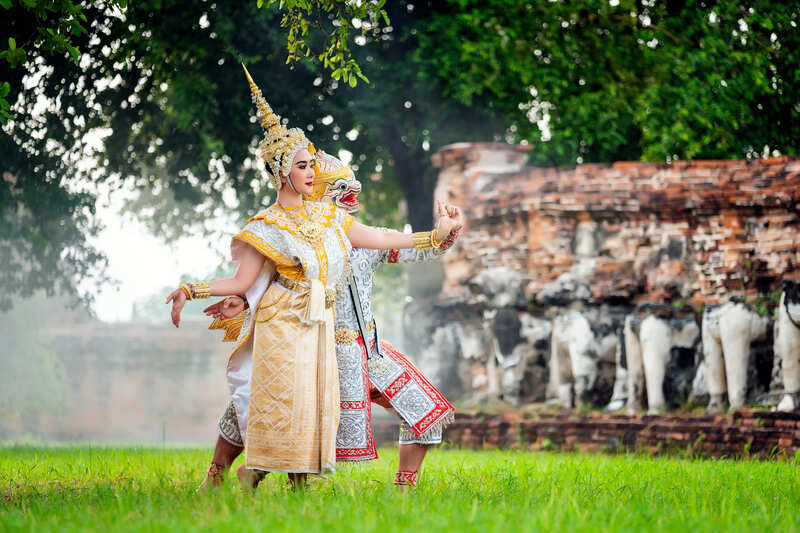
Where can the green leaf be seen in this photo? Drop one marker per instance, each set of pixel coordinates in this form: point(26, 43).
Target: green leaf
point(12, 44)
point(5, 88)
point(5, 4)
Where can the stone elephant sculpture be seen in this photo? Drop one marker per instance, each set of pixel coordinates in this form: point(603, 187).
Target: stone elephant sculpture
point(619, 396)
point(582, 358)
point(660, 347)
point(519, 344)
point(731, 367)
point(787, 345)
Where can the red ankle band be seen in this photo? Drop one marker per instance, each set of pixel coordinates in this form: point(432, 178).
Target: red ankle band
point(406, 477)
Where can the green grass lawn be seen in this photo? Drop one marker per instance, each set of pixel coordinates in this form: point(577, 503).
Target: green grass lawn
point(81, 488)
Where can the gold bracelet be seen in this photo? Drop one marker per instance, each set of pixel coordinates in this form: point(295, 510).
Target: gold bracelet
point(422, 240)
point(201, 290)
point(187, 291)
point(434, 242)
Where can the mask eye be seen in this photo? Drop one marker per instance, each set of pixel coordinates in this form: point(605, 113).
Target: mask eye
point(342, 187)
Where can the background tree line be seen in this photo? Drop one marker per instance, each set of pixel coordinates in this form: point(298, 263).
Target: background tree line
point(151, 96)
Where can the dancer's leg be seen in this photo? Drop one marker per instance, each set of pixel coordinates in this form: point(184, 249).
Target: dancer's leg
point(298, 481)
point(224, 455)
point(410, 456)
point(228, 447)
point(411, 452)
point(411, 449)
point(409, 461)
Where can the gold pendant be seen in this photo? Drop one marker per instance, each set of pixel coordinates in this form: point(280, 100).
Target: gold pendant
point(311, 232)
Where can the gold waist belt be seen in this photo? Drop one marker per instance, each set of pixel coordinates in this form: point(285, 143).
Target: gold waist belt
point(301, 286)
point(349, 336)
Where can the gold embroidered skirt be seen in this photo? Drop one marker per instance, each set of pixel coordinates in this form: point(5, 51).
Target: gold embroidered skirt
point(294, 389)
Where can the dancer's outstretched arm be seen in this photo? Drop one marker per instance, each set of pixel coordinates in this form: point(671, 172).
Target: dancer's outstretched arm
point(362, 236)
point(250, 264)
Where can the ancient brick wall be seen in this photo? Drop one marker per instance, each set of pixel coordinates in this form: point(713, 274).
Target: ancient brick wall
point(134, 383)
point(745, 433)
point(598, 240)
point(700, 231)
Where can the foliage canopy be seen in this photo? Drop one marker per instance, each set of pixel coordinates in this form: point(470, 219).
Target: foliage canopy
point(150, 96)
point(591, 81)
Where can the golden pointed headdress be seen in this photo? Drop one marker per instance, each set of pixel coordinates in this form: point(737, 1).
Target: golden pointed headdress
point(280, 144)
point(330, 169)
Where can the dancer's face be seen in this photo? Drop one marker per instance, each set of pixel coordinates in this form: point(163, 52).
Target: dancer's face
point(344, 193)
point(302, 173)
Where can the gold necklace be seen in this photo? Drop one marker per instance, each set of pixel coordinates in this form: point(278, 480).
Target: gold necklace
point(308, 229)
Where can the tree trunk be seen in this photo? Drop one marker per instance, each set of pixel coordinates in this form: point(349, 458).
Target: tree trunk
point(416, 177)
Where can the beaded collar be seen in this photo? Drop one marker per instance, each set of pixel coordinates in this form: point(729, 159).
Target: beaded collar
point(301, 221)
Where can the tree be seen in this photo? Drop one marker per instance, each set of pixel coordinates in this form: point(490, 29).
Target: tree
point(169, 101)
point(334, 19)
point(392, 124)
point(46, 217)
point(161, 85)
point(43, 28)
point(622, 80)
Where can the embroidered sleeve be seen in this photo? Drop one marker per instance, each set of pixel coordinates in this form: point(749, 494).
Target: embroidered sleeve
point(271, 244)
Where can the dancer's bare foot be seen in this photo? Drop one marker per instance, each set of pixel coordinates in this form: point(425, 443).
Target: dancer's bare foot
point(249, 479)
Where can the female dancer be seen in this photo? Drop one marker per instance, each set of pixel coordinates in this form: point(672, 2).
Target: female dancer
point(291, 259)
point(369, 370)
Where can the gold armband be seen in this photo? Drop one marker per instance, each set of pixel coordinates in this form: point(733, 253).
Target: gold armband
point(422, 240)
point(434, 242)
point(186, 291)
point(200, 290)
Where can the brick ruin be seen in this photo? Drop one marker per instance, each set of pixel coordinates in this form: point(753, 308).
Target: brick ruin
point(565, 256)
point(597, 240)
point(629, 231)
point(743, 434)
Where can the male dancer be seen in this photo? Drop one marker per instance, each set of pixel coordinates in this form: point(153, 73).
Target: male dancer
point(369, 369)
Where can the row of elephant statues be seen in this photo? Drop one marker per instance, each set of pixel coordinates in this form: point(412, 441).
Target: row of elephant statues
point(662, 354)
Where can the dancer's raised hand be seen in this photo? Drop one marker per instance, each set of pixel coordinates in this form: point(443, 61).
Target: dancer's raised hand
point(446, 223)
point(455, 214)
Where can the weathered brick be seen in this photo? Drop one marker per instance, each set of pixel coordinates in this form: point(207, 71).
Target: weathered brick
point(723, 217)
point(722, 435)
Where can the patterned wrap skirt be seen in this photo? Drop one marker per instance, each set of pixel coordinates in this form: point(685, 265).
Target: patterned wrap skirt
point(293, 411)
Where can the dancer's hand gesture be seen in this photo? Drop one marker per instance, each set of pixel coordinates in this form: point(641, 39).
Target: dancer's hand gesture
point(447, 223)
point(455, 214)
point(227, 308)
point(178, 299)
